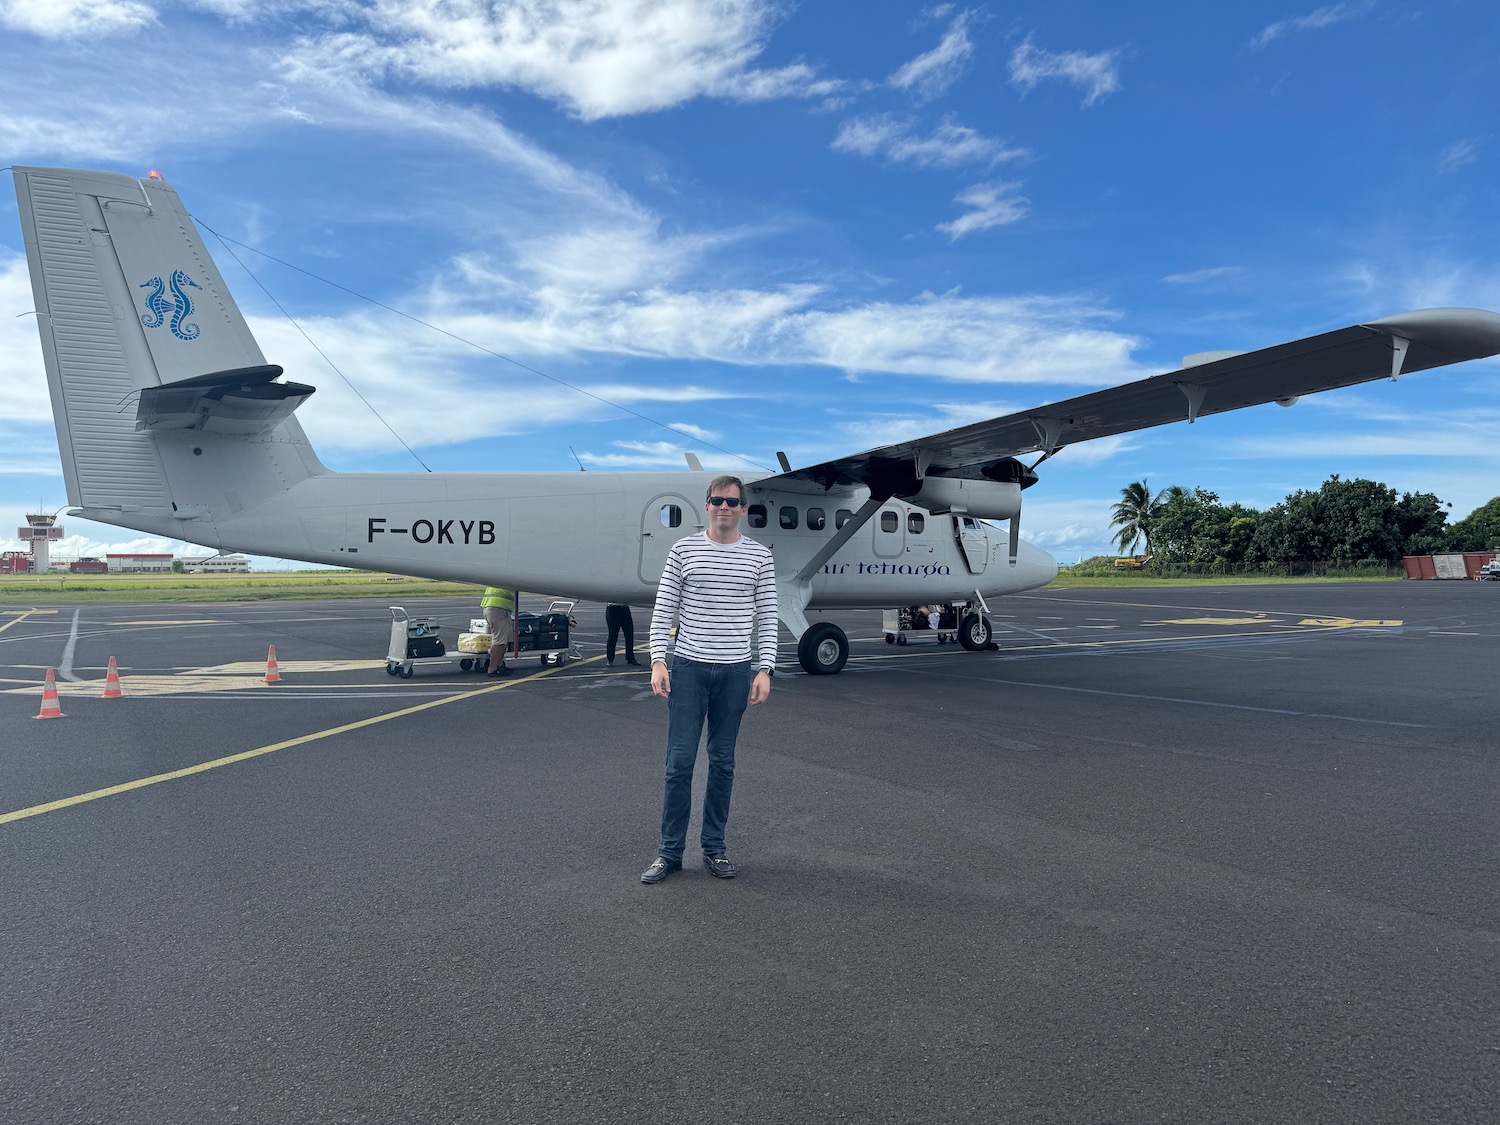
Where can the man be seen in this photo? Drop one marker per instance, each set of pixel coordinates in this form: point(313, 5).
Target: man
point(499, 606)
point(618, 617)
point(720, 587)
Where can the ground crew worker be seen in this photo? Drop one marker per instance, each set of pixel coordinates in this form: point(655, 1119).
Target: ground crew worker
point(499, 606)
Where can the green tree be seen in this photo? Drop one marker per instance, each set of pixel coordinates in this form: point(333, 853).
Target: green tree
point(1195, 529)
point(1477, 531)
point(1134, 515)
point(1348, 521)
point(1423, 521)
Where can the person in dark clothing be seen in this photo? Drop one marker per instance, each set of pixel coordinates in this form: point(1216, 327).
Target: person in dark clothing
point(618, 618)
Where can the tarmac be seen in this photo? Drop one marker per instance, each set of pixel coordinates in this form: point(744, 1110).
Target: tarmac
point(1190, 854)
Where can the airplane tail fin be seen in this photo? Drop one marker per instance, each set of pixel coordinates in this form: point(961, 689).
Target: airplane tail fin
point(168, 417)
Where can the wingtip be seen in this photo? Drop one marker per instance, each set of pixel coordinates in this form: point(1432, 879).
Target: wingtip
point(1471, 333)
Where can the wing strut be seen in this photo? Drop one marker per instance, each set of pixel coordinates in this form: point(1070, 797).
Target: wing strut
point(842, 536)
point(1399, 344)
point(1195, 393)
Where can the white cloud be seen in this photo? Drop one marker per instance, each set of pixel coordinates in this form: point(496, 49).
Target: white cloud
point(947, 146)
point(658, 455)
point(983, 339)
point(930, 74)
point(1458, 154)
point(1314, 21)
point(696, 431)
point(598, 59)
point(1471, 442)
point(22, 374)
point(1099, 450)
point(1098, 74)
point(1198, 277)
point(75, 19)
point(992, 204)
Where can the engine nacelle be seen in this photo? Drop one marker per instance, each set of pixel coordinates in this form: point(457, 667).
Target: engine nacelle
point(982, 499)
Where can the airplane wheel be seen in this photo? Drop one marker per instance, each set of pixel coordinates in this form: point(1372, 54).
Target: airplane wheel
point(823, 649)
point(407, 671)
point(901, 640)
point(974, 632)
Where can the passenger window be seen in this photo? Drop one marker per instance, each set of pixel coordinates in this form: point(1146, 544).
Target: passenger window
point(889, 521)
point(671, 515)
point(816, 521)
point(757, 515)
point(914, 523)
point(841, 517)
point(788, 517)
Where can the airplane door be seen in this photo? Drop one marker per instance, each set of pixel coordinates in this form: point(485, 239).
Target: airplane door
point(890, 533)
point(972, 542)
point(667, 518)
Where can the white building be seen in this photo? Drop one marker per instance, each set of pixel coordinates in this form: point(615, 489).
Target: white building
point(217, 564)
point(138, 564)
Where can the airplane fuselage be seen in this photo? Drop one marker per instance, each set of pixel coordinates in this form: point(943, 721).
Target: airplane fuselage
point(599, 535)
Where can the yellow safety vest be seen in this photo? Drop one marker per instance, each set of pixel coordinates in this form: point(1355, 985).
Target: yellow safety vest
point(499, 596)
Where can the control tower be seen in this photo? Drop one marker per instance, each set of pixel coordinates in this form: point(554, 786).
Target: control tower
point(40, 532)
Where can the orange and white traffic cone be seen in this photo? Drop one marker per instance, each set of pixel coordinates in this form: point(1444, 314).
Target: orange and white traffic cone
point(51, 709)
point(112, 682)
point(273, 675)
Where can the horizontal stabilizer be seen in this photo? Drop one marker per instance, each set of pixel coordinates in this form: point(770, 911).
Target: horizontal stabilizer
point(245, 401)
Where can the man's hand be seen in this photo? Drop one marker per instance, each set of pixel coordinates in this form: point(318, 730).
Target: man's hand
point(760, 687)
point(661, 679)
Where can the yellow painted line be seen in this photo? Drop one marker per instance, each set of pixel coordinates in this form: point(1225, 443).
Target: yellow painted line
point(1215, 621)
point(1154, 642)
point(1345, 622)
point(246, 755)
point(205, 621)
point(244, 667)
point(241, 676)
point(19, 615)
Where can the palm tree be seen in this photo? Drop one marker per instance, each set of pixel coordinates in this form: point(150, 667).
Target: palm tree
point(1133, 515)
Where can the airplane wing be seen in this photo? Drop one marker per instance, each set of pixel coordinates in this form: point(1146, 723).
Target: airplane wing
point(1381, 349)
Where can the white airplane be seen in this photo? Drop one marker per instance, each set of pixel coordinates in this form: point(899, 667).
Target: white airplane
point(171, 422)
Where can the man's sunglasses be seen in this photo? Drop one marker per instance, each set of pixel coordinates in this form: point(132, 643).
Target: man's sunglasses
point(732, 501)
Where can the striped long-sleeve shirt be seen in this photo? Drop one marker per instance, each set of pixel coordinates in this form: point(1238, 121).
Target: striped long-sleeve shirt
point(723, 598)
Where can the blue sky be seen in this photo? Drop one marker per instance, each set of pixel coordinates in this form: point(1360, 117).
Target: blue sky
point(811, 227)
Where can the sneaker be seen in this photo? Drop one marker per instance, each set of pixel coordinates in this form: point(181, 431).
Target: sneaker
point(720, 866)
point(500, 671)
point(609, 661)
point(660, 868)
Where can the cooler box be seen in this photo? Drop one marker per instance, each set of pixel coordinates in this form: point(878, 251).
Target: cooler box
point(474, 643)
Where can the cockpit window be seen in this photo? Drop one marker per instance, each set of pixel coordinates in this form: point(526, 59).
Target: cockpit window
point(889, 521)
point(915, 523)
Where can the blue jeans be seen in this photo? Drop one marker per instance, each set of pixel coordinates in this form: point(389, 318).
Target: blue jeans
point(719, 693)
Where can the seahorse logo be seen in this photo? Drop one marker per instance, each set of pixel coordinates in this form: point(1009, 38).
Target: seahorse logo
point(156, 303)
point(180, 308)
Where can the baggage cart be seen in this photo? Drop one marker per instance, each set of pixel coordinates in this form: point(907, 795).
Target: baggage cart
point(417, 642)
point(906, 624)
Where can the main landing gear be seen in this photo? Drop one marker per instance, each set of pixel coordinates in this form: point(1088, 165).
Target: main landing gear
point(823, 649)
